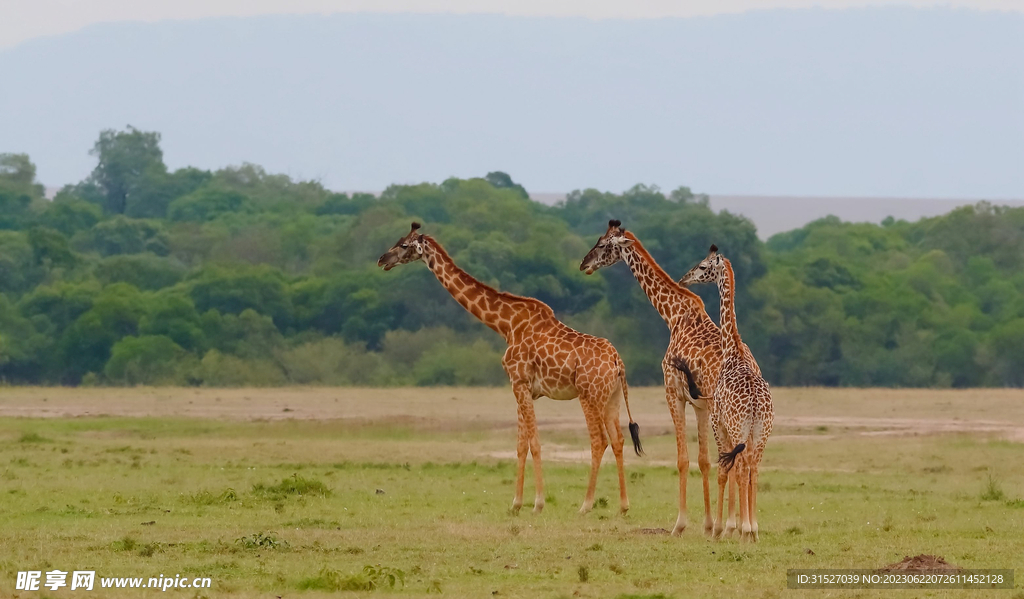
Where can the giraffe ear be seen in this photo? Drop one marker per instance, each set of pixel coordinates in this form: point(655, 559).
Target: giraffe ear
point(623, 242)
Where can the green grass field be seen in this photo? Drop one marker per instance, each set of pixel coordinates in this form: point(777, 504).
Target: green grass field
point(275, 493)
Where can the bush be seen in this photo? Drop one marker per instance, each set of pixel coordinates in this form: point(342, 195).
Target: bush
point(146, 360)
point(447, 364)
point(331, 362)
point(293, 485)
point(223, 370)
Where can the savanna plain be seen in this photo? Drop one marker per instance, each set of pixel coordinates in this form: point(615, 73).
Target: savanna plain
point(315, 491)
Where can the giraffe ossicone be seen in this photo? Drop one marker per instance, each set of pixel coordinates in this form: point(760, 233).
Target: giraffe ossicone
point(545, 358)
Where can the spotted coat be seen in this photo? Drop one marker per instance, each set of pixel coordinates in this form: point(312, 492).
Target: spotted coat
point(692, 360)
point(742, 408)
point(545, 358)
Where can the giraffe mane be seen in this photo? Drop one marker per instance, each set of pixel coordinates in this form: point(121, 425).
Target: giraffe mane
point(659, 271)
point(477, 282)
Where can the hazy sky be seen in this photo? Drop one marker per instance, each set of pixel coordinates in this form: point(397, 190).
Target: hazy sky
point(890, 101)
point(28, 19)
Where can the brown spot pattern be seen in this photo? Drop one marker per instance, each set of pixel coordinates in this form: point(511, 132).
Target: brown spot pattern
point(545, 358)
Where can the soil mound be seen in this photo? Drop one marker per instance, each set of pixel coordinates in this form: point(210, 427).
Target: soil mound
point(920, 562)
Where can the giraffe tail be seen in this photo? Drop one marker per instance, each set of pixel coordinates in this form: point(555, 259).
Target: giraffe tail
point(726, 460)
point(634, 428)
point(680, 364)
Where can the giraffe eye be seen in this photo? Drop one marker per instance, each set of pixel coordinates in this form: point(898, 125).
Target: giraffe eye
point(405, 246)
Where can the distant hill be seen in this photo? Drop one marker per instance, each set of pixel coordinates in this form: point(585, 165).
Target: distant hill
point(889, 102)
point(775, 214)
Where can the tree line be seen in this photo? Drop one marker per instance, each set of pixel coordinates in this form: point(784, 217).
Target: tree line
point(143, 275)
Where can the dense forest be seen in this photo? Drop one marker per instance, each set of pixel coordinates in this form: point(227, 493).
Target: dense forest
point(142, 275)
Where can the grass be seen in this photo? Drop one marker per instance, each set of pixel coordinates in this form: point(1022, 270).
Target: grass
point(290, 506)
point(993, 490)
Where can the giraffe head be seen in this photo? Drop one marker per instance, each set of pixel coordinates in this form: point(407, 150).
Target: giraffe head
point(408, 249)
point(707, 271)
point(608, 250)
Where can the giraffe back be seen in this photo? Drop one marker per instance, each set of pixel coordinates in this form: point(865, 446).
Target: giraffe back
point(743, 404)
point(560, 362)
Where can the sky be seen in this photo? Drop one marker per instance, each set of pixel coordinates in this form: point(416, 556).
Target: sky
point(891, 101)
point(28, 19)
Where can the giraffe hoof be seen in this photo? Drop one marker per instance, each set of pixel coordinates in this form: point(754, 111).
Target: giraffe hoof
point(681, 524)
point(514, 510)
point(538, 508)
point(624, 509)
point(584, 509)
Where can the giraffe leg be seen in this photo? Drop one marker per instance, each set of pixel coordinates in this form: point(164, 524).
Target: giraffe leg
point(676, 409)
point(538, 502)
point(524, 401)
point(614, 428)
point(721, 442)
point(753, 501)
point(730, 523)
point(598, 443)
point(705, 465)
point(743, 476)
point(723, 482)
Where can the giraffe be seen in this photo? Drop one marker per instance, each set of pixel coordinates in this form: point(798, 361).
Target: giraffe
point(545, 358)
point(742, 406)
point(693, 357)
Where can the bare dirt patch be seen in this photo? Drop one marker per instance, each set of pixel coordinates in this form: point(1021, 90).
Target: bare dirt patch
point(802, 414)
point(919, 563)
point(654, 531)
point(883, 427)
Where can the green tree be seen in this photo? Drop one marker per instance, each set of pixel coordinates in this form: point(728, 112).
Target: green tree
point(146, 360)
point(504, 181)
point(23, 346)
point(126, 159)
point(157, 189)
point(87, 343)
point(261, 289)
point(123, 235)
point(207, 203)
point(144, 271)
point(69, 214)
point(18, 189)
point(19, 270)
point(174, 316)
point(50, 247)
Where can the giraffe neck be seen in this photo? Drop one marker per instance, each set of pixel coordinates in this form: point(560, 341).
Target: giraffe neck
point(727, 292)
point(665, 294)
point(483, 302)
